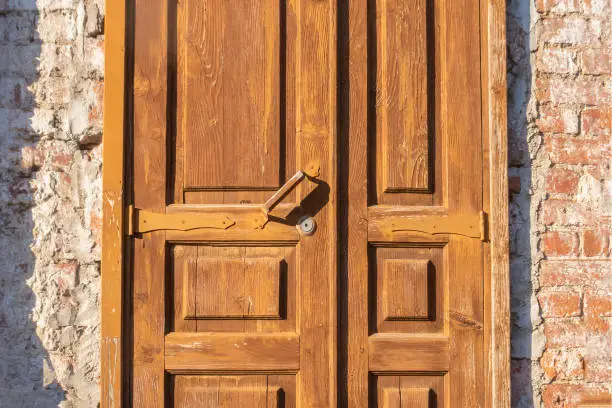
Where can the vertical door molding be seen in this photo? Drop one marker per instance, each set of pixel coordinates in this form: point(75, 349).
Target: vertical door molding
point(113, 231)
point(494, 77)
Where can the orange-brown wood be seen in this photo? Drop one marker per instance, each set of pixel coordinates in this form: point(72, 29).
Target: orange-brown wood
point(113, 237)
point(257, 391)
point(498, 289)
point(232, 352)
point(227, 101)
point(405, 353)
point(402, 96)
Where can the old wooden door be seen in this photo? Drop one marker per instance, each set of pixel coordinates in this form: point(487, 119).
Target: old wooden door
point(309, 214)
point(232, 306)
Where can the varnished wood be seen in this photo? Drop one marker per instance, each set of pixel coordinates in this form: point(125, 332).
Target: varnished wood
point(354, 137)
point(113, 237)
point(231, 94)
point(467, 225)
point(402, 96)
point(405, 353)
point(213, 391)
point(150, 132)
point(399, 351)
point(198, 352)
point(316, 133)
point(146, 221)
point(498, 293)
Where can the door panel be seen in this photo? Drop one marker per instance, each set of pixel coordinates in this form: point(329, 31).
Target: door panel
point(231, 304)
point(230, 99)
point(415, 266)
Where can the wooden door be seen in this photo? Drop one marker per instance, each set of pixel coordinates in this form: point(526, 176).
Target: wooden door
point(232, 305)
point(416, 254)
point(316, 205)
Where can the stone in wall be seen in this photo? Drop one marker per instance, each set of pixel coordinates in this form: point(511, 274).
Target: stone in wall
point(51, 72)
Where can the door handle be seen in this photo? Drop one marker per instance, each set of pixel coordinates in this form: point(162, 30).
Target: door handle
point(312, 170)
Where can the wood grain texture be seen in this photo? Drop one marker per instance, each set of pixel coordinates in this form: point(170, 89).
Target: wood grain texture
point(411, 391)
point(113, 236)
point(402, 95)
point(149, 166)
point(256, 391)
point(232, 94)
point(435, 291)
point(444, 355)
point(353, 361)
point(403, 353)
point(316, 129)
point(184, 273)
point(232, 352)
point(415, 397)
point(499, 294)
point(406, 293)
point(462, 126)
point(234, 288)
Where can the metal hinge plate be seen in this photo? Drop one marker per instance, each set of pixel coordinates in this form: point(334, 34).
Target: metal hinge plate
point(141, 221)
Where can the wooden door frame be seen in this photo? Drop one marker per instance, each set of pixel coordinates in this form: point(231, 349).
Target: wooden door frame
point(114, 231)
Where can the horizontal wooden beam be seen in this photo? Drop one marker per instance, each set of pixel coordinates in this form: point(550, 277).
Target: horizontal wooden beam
point(186, 352)
point(404, 353)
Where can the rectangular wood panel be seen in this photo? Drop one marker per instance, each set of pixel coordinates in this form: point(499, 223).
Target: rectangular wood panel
point(410, 391)
point(402, 95)
point(390, 352)
point(406, 289)
point(252, 391)
point(232, 288)
point(231, 352)
point(229, 73)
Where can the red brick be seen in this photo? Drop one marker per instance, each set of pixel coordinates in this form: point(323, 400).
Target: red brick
point(554, 119)
point(557, 61)
point(572, 272)
point(598, 369)
point(559, 243)
point(558, 6)
point(588, 91)
point(595, 61)
point(560, 304)
point(565, 333)
point(562, 181)
point(595, 242)
point(570, 395)
point(597, 304)
point(95, 225)
point(61, 160)
point(597, 121)
point(573, 150)
point(563, 364)
point(570, 30)
point(95, 110)
point(565, 213)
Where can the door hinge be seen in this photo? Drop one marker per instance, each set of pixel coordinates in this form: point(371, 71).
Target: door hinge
point(141, 221)
point(472, 226)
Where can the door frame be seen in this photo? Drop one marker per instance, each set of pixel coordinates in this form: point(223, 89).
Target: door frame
point(114, 230)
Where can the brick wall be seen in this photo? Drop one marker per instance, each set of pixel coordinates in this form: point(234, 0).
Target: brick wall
point(51, 72)
point(560, 117)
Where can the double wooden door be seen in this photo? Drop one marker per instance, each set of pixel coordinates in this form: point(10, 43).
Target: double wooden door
point(308, 204)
